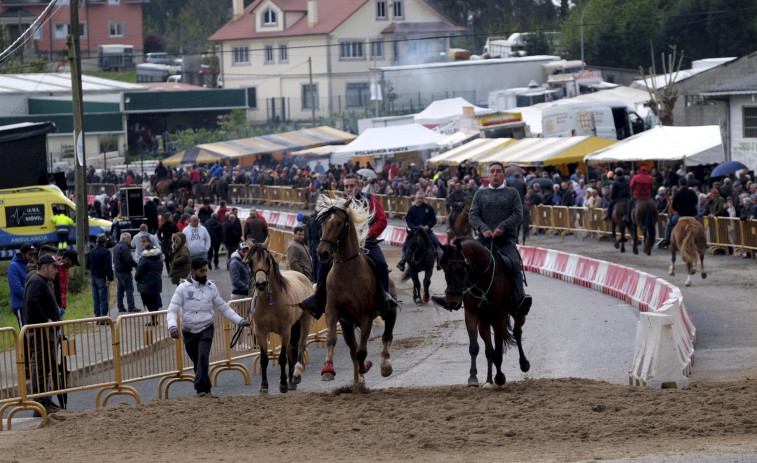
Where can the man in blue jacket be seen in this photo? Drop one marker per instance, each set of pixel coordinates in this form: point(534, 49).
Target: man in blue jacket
point(421, 214)
point(101, 267)
point(17, 278)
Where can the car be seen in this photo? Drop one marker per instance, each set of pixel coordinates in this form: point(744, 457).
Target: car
point(159, 58)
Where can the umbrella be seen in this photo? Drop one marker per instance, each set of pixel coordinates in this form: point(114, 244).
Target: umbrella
point(510, 170)
point(727, 168)
point(367, 173)
point(545, 183)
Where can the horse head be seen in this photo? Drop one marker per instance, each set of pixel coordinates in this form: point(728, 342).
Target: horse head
point(262, 264)
point(456, 274)
point(335, 224)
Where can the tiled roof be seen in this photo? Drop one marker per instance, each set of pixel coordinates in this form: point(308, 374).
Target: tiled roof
point(435, 26)
point(742, 85)
point(331, 13)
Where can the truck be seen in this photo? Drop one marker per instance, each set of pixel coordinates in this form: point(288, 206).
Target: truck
point(613, 120)
point(115, 57)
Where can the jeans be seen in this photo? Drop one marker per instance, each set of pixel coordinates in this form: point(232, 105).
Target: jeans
point(669, 226)
point(125, 285)
point(230, 249)
point(198, 346)
point(100, 297)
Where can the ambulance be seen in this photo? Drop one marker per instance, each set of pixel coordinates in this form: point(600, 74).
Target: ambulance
point(26, 217)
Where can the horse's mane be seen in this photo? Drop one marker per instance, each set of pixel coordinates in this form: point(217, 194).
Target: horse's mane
point(275, 271)
point(358, 212)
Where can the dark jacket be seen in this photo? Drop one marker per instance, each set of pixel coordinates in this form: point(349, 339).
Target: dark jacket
point(420, 216)
point(456, 200)
point(232, 233)
point(204, 214)
point(165, 232)
point(685, 202)
point(149, 271)
point(101, 263)
point(240, 274)
point(151, 213)
point(182, 263)
point(214, 230)
point(255, 229)
point(16, 280)
point(620, 188)
point(39, 301)
point(122, 259)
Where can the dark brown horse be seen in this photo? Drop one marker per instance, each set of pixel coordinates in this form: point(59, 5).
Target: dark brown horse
point(644, 217)
point(476, 280)
point(421, 256)
point(619, 222)
point(351, 286)
point(459, 223)
point(688, 236)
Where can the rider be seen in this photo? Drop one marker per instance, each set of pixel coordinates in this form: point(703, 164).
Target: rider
point(684, 204)
point(456, 201)
point(316, 303)
point(642, 185)
point(620, 189)
point(496, 213)
point(421, 214)
point(216, 170)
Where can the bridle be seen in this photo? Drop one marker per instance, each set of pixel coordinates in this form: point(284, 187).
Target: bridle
point(342, 236)
point(266, 272)
point(465, 285)
point(420, 250)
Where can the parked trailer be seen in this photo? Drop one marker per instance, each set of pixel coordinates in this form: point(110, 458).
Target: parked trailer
point(115, 57)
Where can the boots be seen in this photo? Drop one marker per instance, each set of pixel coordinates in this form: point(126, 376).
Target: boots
point(524, 306)
point(309, 304)
point(401, 265)
point(439, 300)
point(387, 299)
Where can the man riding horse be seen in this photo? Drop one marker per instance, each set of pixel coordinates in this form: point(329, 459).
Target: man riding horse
point(620, 190)
point(316, 303)
point(455, 202)
point(495, 213)
point(641, 186)
point(421, 214)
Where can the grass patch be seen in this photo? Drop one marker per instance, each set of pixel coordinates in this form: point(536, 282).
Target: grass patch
point(122, 76)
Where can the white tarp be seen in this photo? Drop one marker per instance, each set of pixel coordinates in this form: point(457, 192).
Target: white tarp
point(694, 145)
point(383, 142)
point(442, 111)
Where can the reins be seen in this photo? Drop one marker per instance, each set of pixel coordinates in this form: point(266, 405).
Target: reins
point(469, 289)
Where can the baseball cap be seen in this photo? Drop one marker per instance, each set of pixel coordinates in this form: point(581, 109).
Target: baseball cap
point(48, 259)
point(28, 248)
point(73, 255)
point(244, 245)
point(714, 191)
point(643, 169)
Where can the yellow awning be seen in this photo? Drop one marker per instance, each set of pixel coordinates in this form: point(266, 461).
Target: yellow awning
point(576, 153)
point(471, 151)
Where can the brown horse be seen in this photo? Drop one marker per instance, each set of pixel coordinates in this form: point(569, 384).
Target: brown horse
point(275, 310)
point(619, 221)
point(163, 187)
point(351, 286)
point(477, 280)
point(688, 237)
point(459, 223)
point(644, 216)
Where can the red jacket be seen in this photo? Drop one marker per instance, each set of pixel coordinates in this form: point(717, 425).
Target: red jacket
point(379, 218)
point(641, 185)
point(221, 211)
point(63, 278)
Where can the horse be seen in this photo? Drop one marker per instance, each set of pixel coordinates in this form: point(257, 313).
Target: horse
point(351, 286)
point(471, 270)
point(200, 191)
point(219, 188)
point(688, 236)
point(644, 216)
point(421, 257)
point(275, 310)
point(163, 187)
point(619, 220)
point(459, 223)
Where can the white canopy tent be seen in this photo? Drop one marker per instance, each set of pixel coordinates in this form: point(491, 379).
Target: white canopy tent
point(382, 142)
point(693, 145)
point(441, 111)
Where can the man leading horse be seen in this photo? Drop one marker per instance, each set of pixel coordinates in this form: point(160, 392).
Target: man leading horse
point(496, 213)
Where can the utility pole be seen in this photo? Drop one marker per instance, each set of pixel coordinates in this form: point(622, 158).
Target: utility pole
point(80, 166)
point(312, 90)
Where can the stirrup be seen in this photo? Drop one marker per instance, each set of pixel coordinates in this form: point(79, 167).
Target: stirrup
point(524, 306)
point(309, 304)
point(387, 298)
point(401, 266)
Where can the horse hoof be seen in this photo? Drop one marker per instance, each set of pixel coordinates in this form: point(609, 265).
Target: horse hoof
point(525, 366)
point(617, 245)
point(704, 275)
point(298, 370)
point(636, 251)
point(283, 388)
point(296, 379)
point(386, 370)
point(292, 386)
point(688, 283)
point(263, 389)
point(473, 382)
point(622, 250)
point(426, 299)
point(499, 380)
point(328, 373)
point(366, 367)
point(488, 385)
point(418, 301)
point(327, 376)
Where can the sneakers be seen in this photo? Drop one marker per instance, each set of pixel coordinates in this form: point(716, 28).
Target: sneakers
point(50, 408)
point(663, 244)
point(121, 310)
point(401, 265)
point(209, 395)
point(134, 310)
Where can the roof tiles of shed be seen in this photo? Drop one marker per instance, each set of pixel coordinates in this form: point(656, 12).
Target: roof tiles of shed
point(743, 85)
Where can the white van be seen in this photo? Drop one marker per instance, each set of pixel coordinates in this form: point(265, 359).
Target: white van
point(613, 120)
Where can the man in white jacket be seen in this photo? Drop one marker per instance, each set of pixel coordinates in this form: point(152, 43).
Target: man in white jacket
point(196, 298)
point(198, 238)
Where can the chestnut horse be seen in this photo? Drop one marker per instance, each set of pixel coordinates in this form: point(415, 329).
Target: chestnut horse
point(459, 224)
point(688, 236)
point(275, 310)
point(477, 280)
point(351, 286)
point(644, 216)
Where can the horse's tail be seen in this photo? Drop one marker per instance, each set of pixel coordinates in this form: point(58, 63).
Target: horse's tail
point(509, 339)
point(407, 275)
point(651, 222)
point(688, 246)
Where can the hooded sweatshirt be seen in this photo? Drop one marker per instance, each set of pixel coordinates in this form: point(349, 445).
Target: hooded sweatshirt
point(181, 265)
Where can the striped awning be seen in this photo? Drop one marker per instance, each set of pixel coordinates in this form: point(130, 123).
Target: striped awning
point(471, 151)
point(545, 151)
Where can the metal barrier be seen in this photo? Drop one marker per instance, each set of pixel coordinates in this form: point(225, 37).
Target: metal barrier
point(9, 391)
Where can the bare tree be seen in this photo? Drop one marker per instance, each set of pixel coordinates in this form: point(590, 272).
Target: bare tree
point(662, 98)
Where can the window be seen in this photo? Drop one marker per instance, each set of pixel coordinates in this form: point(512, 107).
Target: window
point(269, 17)
point(116, 29)
point(309, 94)
point(252, 97)
point(698, 100)
point(241, 55)
point(377, 49)
point(750, 121)
point(283, 53)
point(399, 12)
point(358, 94)
point(60, 31)
point(114, 2)
point(351, 50)
point(268, 54)
point(381, 9)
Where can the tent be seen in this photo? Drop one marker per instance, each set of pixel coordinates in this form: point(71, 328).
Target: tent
point(546, 151)
point(458, 138)
point(471, 151)
point(692, 145)
point(441, 111)
point(381, 142)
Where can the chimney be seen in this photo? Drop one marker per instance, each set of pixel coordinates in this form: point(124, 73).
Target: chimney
point(238, 8)
point(312, 13)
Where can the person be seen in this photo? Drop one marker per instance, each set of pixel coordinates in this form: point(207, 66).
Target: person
point(620, 189)
point(232, 235)
point(314, 239)
point(165, 232)
point(62, 224)
point(298, 257)
point(183, 221)
point(216, 236)
point(495, 214)
point(40, 306)
point(138, 240)
point(421, 214)
point(316, 303)
point(684, 205)
point(151, 214)
point(662, 200)
point(255, 228)
point(149, 281)
point(17, 278)
point(718, 204)
point(195, 299)
point(70, 258)
point(123, 264)
point(180, 267)
point(222, 211)
point(240, 272)
point(205, 212)
point(456, 201)
point(641, 185)
point(198, 238)
point(101, 268)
